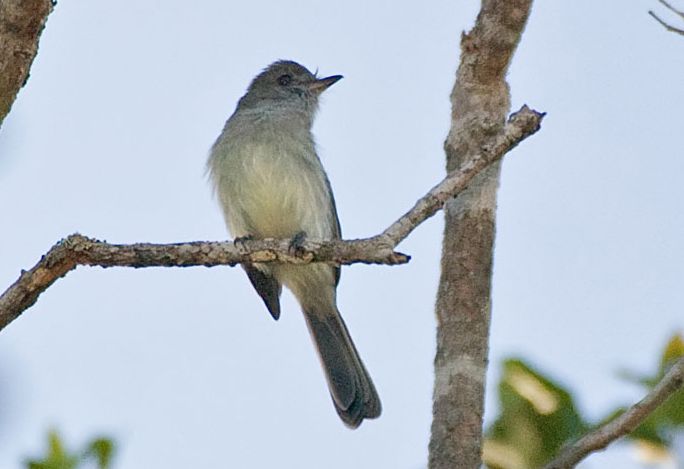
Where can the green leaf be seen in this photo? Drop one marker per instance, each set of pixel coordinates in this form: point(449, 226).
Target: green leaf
point(100, 449)
point(57, 457)
point(673, 350)
point(658, 429)
point(538, 416)
point(103, 450)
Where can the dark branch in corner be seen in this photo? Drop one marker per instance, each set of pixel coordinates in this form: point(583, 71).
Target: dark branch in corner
point(600, 438)
point(667, 25)
point(673, 9)
point(79, 250)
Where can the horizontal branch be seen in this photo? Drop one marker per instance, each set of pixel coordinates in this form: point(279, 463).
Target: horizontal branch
point(79, 250)
point(625, 423)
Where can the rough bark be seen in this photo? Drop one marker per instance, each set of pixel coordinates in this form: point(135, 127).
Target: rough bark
point(480, 102)
point(78, 250)
point(21, 23)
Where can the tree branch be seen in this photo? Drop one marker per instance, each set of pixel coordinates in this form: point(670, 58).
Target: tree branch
point(666, 25)
point(673, 9)
point(21, 23)
point(79, 250)
point(520, 125)
point(625, 423)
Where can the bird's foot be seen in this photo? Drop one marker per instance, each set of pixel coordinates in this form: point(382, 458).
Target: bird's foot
point(296, 247)
point(240, 241)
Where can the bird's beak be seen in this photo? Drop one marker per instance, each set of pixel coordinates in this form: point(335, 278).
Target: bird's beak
point(321, 84)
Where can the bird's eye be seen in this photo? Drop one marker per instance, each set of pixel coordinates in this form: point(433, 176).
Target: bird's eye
point(284, 80)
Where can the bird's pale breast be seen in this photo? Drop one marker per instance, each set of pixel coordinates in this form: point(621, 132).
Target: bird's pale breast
point(269, 189)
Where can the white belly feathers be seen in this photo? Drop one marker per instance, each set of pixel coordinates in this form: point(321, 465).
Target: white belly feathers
point(274, 195)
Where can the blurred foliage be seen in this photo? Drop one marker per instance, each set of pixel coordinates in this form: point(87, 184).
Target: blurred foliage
point(538, 416)
point(99, 450)
point(658, 429)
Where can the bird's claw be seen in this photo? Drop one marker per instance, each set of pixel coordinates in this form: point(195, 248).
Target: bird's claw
point(296, 248)
point(240, 241)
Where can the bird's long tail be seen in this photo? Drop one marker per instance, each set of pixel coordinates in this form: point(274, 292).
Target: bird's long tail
point(351, 388)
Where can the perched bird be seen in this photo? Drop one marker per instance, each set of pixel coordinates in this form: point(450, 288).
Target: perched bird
point(271, 184)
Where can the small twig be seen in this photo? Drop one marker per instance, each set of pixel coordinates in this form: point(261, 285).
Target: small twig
point(600, 438)
point(79, 250)
point(678, 12)
point(667, 25)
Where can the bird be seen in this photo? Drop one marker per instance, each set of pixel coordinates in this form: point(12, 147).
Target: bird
point(271, 183)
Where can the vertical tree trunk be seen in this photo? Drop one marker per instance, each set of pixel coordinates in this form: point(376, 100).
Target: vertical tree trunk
point(480, 103)
point(21, 22)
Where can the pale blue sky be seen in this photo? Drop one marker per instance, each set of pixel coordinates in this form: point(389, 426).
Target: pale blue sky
point(185, 367)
